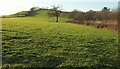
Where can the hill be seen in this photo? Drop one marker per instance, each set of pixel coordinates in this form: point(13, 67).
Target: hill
point(36, 41)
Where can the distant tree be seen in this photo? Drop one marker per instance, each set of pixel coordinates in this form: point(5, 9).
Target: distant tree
point(98, 15)
point(74, 14)
point(34, 9)
point(114, 14)
point(77, 16)
point(90, 15)
point(105, 13)
point(81, 17)
point(55, 11)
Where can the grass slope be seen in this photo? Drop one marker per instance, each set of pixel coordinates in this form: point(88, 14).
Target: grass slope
point(36, 42)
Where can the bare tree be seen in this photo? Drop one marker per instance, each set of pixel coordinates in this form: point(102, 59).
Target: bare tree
point(55, 11)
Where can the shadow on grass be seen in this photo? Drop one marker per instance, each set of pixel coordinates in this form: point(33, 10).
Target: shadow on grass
point(32, 61)
point(51, 61)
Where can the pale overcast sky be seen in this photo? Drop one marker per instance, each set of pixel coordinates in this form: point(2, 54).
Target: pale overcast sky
point(13, 6)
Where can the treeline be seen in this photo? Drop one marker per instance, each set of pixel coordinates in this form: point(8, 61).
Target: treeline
point(91, 17)
point(23, 13)
point(104, 14)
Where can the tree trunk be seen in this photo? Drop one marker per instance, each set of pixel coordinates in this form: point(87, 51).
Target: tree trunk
point(56, 18)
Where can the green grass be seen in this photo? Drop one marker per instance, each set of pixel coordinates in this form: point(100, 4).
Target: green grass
point(36, 42)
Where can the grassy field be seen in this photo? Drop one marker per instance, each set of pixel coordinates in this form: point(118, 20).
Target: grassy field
point(36, 42)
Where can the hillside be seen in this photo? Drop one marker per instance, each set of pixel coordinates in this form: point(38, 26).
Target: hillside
point(36, 41)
